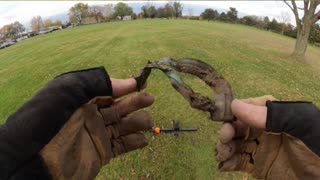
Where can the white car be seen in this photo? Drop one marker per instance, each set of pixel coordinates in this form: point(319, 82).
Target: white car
point(6, 44)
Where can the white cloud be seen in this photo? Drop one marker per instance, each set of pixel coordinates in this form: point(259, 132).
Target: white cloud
point(23, 11)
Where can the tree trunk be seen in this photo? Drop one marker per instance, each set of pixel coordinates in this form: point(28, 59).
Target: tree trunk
point(302, 40)
point(79, 21)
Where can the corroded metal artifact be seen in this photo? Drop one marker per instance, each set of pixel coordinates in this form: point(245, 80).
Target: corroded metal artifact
point(219, 109)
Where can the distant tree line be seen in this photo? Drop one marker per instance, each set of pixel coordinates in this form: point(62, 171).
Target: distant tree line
point(37, 24)
point(231, 16)
point(103, 13)
point(264, 23)
point(82, 13)
point(12, 30)
point(99, 13)
point(169, 10)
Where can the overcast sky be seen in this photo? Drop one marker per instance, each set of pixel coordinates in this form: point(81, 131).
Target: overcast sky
point(11, 11)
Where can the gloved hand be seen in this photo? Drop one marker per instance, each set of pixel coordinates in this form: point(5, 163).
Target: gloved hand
point(97, 132)
point(245, 146)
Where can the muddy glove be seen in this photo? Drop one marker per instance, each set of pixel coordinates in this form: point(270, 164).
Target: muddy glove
point(97, 132)
point(265, 155)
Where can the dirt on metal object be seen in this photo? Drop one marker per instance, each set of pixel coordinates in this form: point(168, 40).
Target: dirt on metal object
point(219, 109)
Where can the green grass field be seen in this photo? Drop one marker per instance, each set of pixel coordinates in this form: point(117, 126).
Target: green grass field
point(255, 63)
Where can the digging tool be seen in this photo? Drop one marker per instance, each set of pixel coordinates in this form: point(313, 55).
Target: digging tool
point(176, 129)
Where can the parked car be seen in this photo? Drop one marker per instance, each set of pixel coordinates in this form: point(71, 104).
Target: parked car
point(7, 44)
point(44, 32)
point(22, 38)
point(33, 33)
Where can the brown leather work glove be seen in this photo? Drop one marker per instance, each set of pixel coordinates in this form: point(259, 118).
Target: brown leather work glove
point(264, 155)
point(98, 131)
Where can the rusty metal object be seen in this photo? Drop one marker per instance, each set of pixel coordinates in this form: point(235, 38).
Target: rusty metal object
point(219, 109)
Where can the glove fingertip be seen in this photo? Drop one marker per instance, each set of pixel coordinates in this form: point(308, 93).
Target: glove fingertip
point(134, 141)
point(226, 133)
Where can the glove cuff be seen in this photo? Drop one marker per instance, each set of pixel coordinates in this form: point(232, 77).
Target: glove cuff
point(299, 119)
point(34, 169)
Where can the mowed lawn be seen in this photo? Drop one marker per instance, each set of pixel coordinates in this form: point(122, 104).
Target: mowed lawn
point(255, 63)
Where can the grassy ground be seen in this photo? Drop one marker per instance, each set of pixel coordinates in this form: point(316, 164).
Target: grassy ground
point(254, 62)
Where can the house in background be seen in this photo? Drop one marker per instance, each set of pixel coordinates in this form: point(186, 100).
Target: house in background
point(88, 20)
point(49, 29)
point(127, 18)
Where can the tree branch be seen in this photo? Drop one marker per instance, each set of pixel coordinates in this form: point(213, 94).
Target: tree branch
point(316, 17)
point(288, 5)
point(294, 9)
point(306, 6)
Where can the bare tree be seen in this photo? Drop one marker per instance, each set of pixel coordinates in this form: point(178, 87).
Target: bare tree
point(284, 18)
point(304, 24)
point(18, 28)
point(12, 30)
point(107, 11)
point(177, 9)
point(7, 31)
point(78, 12)
point(168, 7)
point(96, 11)
point(149, 10)
point(36, 23)
point(2, 34)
